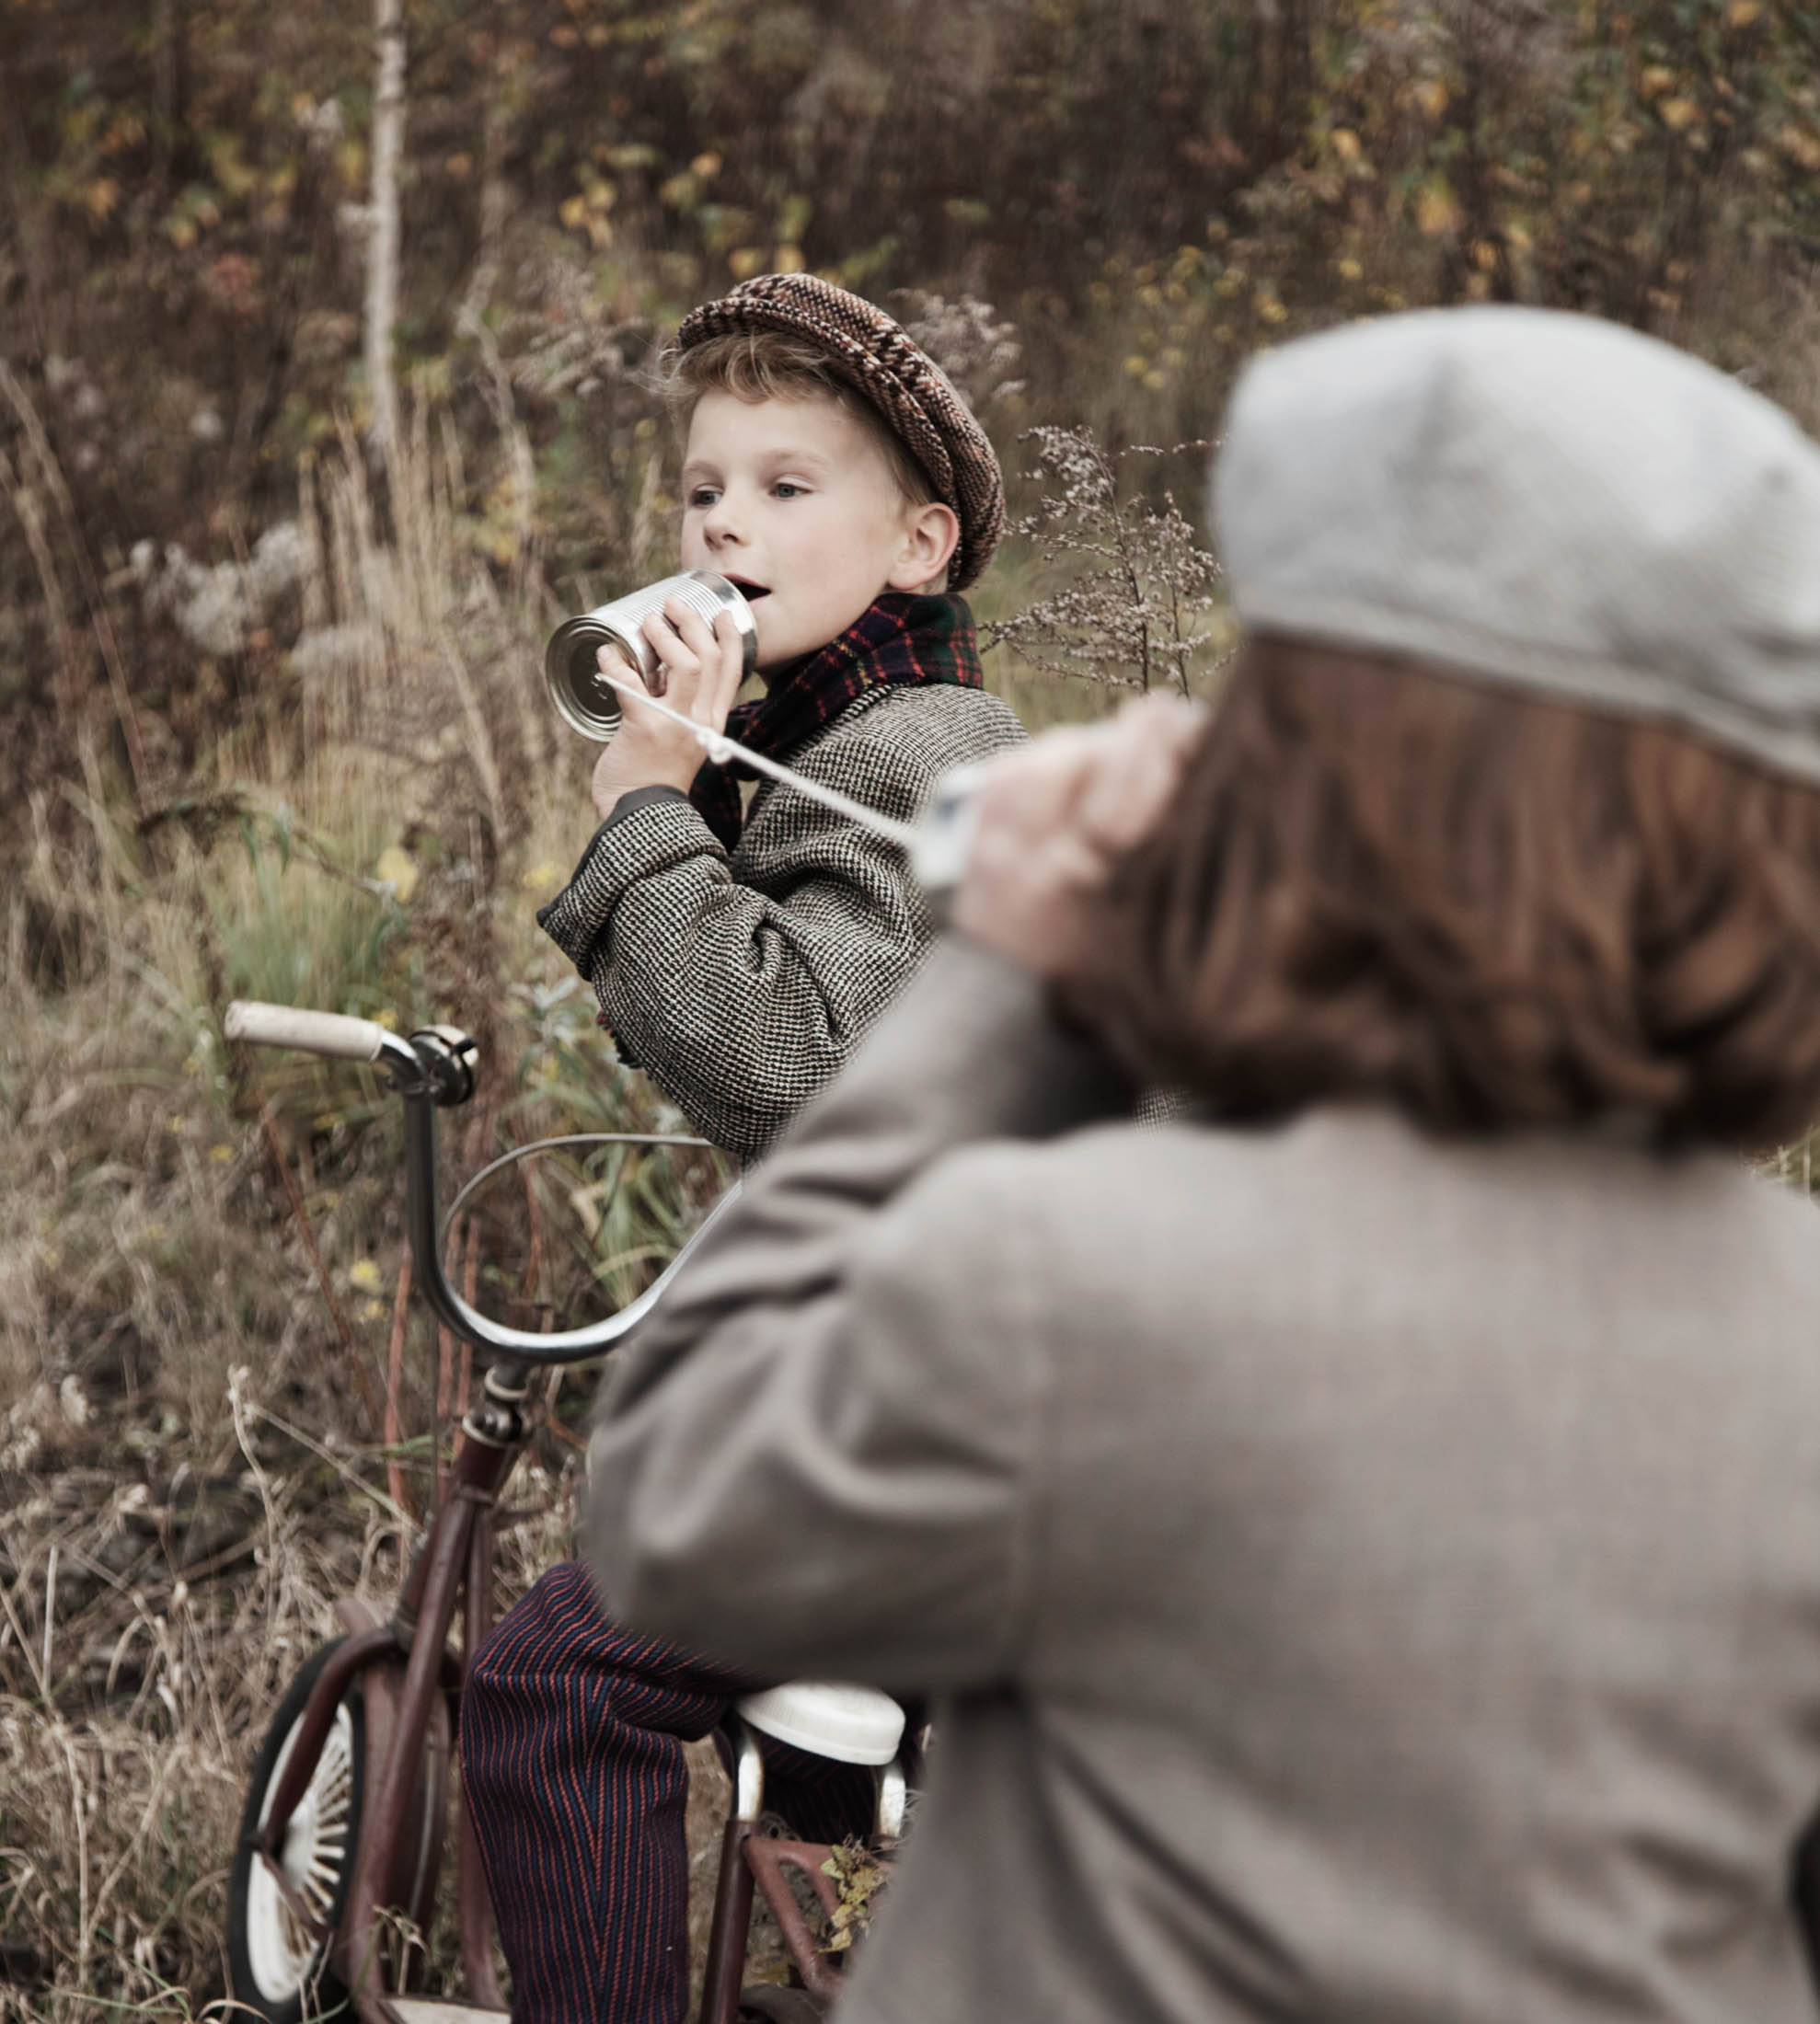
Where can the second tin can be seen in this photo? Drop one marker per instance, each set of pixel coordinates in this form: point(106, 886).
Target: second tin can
point(571, 664)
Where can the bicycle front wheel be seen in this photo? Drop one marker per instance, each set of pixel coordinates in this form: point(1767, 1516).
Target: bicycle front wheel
point(277, 1967)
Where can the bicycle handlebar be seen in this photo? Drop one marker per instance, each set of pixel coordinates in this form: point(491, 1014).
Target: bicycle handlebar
point(331, 1033)
point(435, 1068)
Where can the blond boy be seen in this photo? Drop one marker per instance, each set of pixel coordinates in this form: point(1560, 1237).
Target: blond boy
point(832, 474)
point(737, 954)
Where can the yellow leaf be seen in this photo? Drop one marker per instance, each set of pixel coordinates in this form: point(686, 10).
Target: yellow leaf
point(1677, 114)
point(745, 261)
point(365, 1275)
point(573, 212)
point(789, 260)
point(1345, 144)
point(1348, 269)
point(705, 165)
point(1656, 79)
point(1742, 12)
point(100, 198)
point(398, 869)
point(1437, 211)
point(1431, 94)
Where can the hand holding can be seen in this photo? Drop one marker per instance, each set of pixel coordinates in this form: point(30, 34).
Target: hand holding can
point(572, 664)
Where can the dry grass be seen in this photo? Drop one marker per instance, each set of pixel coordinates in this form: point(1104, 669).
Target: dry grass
point(189, 1471)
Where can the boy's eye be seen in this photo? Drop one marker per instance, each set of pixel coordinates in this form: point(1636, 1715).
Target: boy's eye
point(703, 495)
point(788, 488)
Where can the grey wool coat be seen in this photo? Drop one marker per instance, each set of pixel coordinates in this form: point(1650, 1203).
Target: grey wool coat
point(1364, 1578)
point(740, 983)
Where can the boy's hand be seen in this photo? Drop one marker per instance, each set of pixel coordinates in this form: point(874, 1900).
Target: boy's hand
point(702, 672)
point(1054, 819)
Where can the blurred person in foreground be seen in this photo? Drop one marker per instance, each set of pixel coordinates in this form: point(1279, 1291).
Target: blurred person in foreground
point(1365, 1539)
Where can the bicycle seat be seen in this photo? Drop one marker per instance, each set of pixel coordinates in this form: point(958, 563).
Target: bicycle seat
point(850, 1724)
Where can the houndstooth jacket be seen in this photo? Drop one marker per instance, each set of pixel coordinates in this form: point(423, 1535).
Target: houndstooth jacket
point(742, 984)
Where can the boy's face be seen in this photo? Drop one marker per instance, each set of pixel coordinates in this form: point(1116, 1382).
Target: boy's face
point(793, 500)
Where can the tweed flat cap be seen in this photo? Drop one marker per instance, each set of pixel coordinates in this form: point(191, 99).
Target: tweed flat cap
point(911, 393)
point(1540, 499)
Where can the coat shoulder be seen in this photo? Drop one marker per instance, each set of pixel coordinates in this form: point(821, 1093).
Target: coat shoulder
point(928, 728)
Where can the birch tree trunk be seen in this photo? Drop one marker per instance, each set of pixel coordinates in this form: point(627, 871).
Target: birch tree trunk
point(382, 250)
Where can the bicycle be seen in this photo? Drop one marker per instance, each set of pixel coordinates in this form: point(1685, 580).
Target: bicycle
point(340, 1842)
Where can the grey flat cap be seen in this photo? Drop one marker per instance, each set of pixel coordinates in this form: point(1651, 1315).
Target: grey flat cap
point(1540, 499)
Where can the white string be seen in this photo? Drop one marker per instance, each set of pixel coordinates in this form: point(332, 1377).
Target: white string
point(720, 749)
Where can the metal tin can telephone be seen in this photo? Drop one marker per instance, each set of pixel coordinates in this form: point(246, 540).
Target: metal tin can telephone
point(583, 699)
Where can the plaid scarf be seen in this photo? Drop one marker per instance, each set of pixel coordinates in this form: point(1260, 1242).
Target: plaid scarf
point(898, 639)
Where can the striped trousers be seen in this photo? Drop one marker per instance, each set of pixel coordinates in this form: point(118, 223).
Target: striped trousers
point(571, 1759)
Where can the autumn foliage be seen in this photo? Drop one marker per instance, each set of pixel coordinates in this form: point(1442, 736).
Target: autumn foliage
point(1144, 190)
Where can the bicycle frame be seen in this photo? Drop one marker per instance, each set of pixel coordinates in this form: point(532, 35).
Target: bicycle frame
point(452, 1570)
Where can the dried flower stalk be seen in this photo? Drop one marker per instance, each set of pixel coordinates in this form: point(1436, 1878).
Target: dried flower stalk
point(1138, 583)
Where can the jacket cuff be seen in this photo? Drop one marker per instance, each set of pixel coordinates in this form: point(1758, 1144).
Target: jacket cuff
point(635, 798)
point(655, 837)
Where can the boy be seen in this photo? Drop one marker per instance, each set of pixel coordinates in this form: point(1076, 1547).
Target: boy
point(832, 473)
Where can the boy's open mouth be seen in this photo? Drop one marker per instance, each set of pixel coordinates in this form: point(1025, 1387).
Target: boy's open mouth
point(751, 593)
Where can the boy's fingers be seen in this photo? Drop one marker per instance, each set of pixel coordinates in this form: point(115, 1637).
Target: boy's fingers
point(679, 659)
point(725, 670)
point(623, 668)
point(1032, 789)
point(1136, 768)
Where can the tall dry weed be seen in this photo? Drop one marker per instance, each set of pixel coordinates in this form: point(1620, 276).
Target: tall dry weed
point(1136, 603)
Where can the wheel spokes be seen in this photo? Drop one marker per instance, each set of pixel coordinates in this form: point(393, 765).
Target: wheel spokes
point(287, 1952)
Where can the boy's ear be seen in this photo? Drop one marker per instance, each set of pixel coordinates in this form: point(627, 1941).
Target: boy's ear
point(931, 534)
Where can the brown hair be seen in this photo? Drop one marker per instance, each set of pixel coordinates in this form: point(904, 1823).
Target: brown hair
point(1377, 881)
point(755, 366)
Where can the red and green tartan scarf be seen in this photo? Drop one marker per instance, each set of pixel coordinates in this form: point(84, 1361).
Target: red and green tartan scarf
point(899, 639)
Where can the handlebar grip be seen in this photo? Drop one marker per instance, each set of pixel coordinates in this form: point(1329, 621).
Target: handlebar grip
point(331, 1033)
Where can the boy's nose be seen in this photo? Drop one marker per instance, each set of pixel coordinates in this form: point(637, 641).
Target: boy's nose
point(721, 523)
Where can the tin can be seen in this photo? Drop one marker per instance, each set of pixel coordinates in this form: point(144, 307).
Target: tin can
point(571, 664)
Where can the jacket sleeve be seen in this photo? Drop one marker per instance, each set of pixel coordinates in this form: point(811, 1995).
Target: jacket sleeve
point(740, 986)
point(738, 1002)
point(820, 1456)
